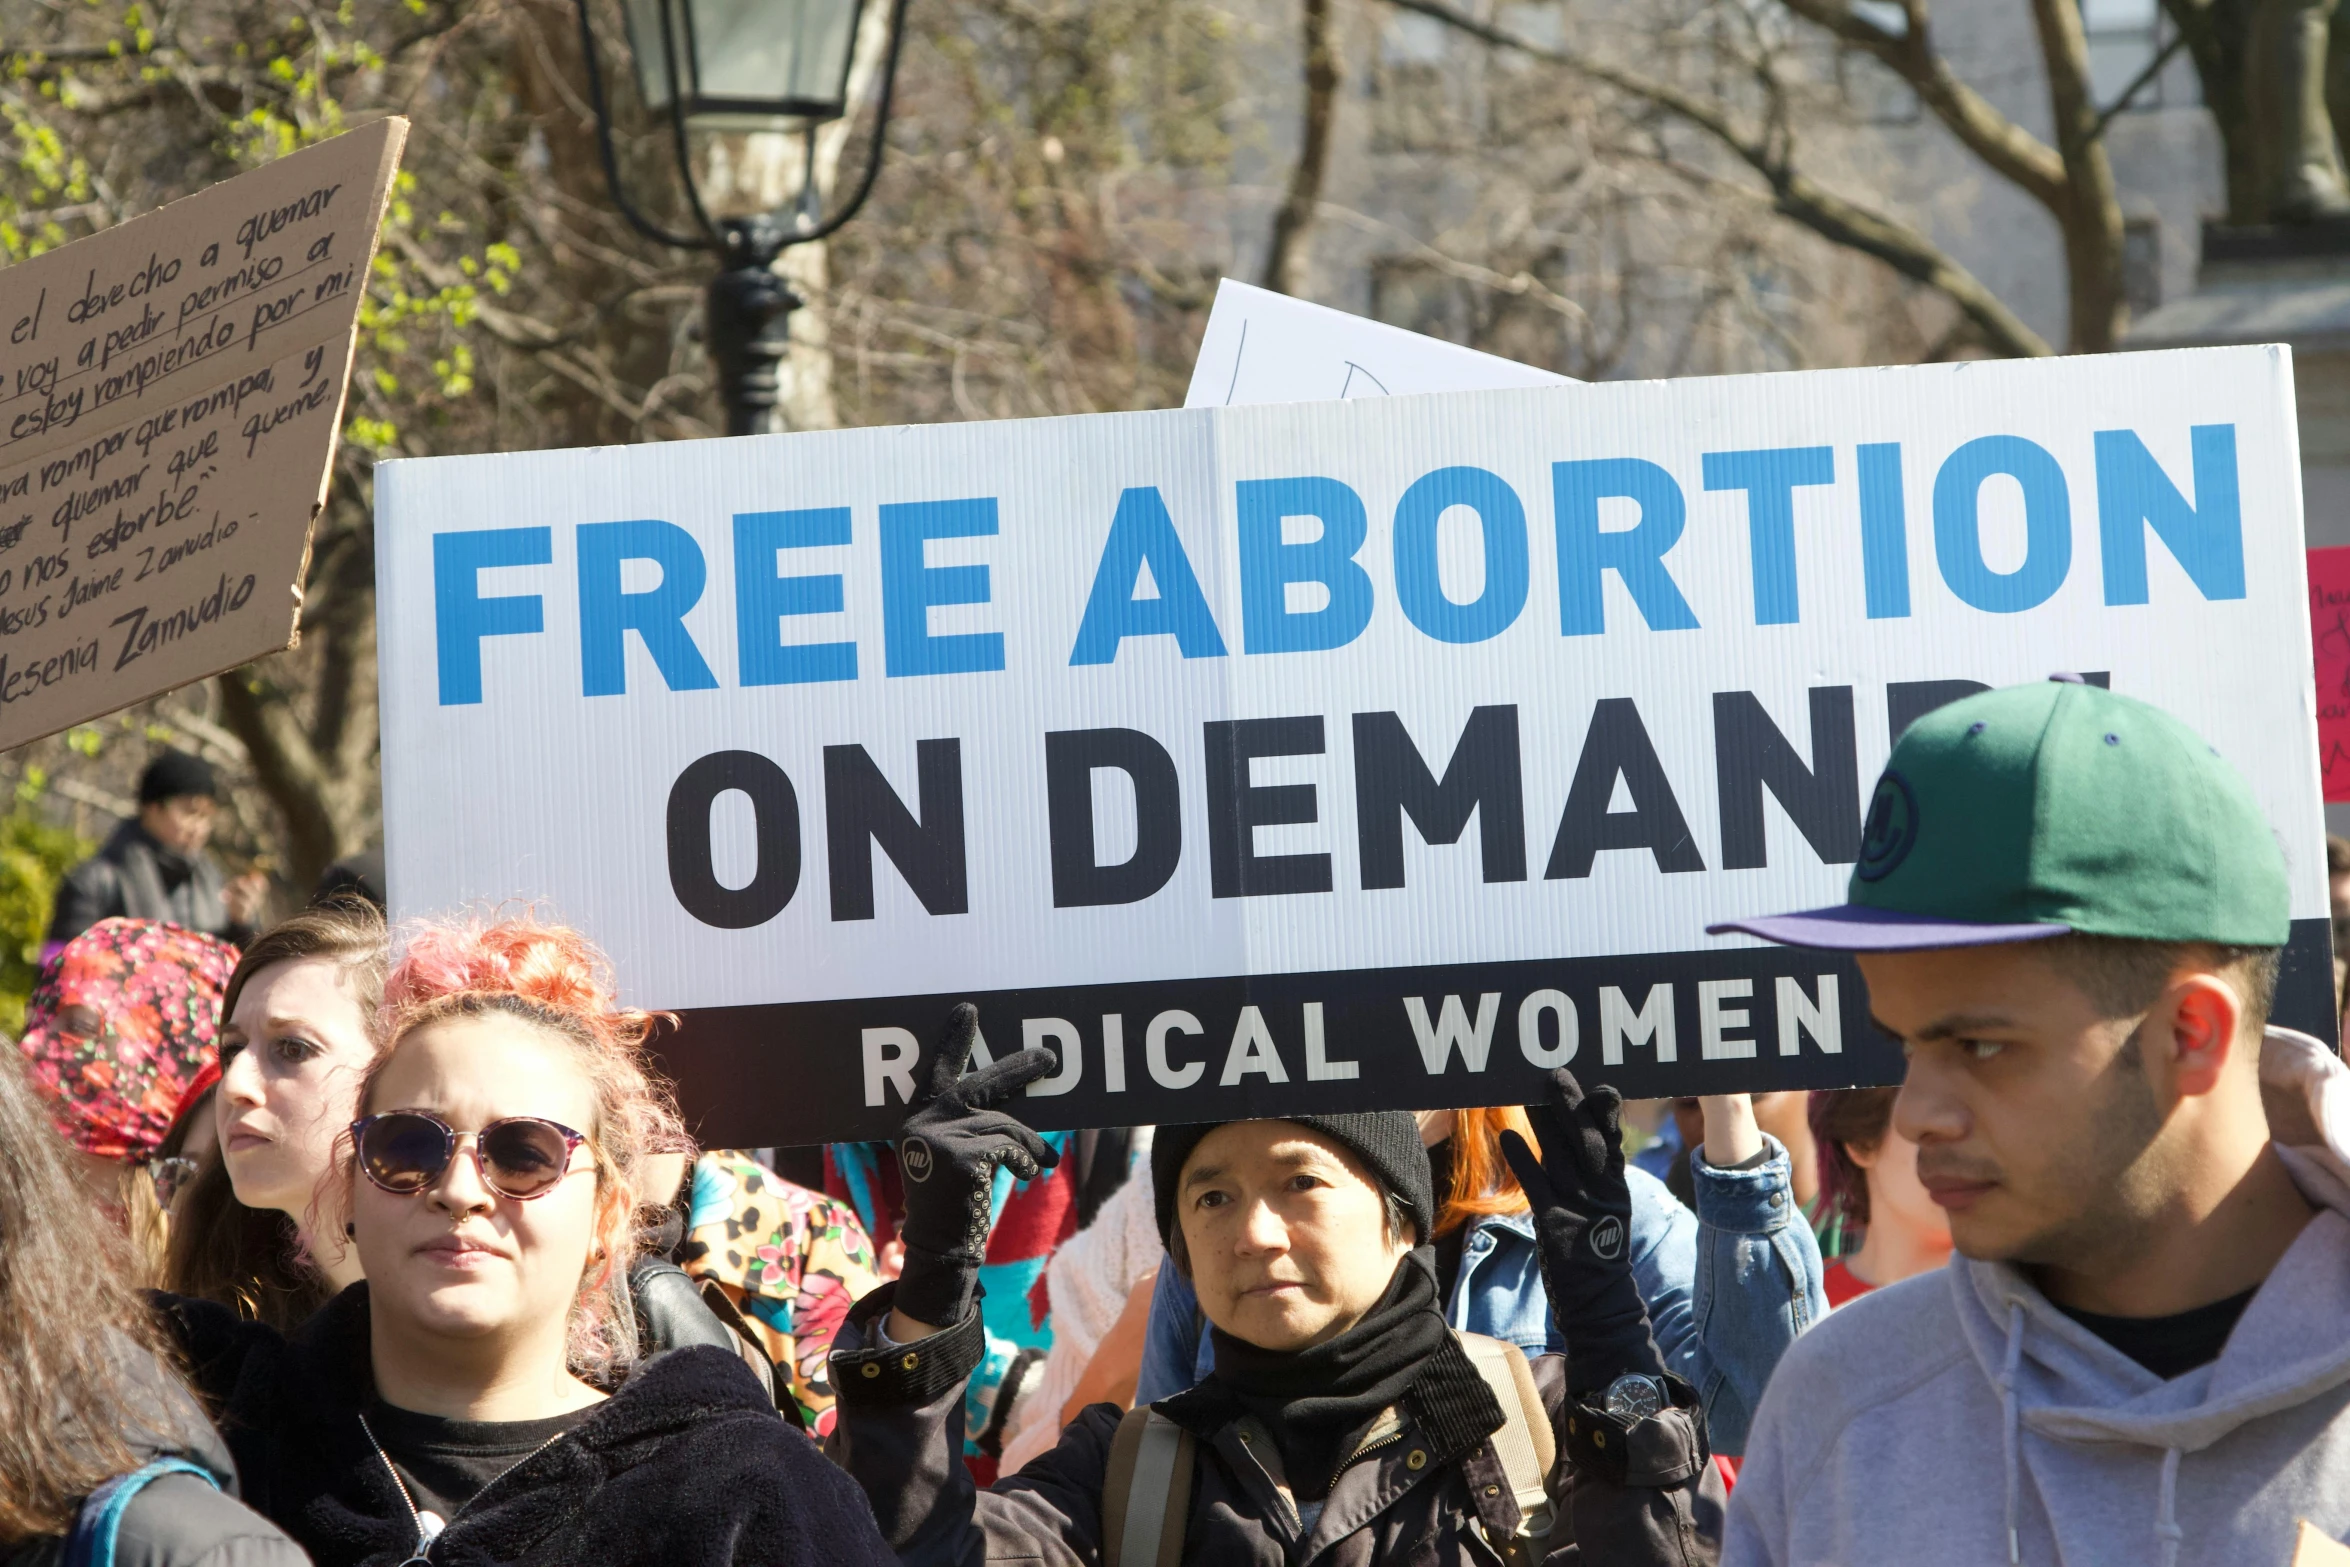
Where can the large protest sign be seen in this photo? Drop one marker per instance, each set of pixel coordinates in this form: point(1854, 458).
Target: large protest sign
point(1385, 752)
point(170, 394)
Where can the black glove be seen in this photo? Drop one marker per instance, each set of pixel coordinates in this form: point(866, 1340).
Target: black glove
point(1583, 1221)
point(948, 1154)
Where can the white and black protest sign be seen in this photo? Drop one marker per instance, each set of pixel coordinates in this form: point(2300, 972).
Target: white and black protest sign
point(1340, 755)
point(170, 394)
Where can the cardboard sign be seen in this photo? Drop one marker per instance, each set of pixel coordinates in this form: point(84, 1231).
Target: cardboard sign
point(2329, 634)
point(170, 394)
point(1318, 756)
point(1263, 347)
point(2311, 1548)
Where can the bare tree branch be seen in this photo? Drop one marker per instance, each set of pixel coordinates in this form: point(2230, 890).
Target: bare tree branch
point(1285, 259)
point(2091, 215)
point(2012, 152)
point(1795, 194)
point(2138, 84)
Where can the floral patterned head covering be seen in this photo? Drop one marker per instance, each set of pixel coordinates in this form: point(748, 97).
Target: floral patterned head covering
point(123, 1019)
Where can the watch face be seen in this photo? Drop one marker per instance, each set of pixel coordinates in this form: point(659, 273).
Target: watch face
point(1634, 1397)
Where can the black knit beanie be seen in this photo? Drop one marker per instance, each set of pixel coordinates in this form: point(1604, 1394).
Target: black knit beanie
point(174, 774)
point(1388, 1141)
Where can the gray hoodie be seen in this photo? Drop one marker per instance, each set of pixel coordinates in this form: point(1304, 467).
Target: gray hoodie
point(1960, 1418)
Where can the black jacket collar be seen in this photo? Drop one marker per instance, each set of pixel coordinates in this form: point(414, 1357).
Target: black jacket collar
point(663, 1395)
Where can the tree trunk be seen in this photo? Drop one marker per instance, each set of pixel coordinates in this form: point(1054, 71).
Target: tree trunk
point(2218, 34)
point(1285, 260)
point(804, 396)
point(2300, 165)
point(318, 767)
point(2090, 213)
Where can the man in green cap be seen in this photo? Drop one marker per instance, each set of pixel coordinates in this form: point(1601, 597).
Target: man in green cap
point(2070, 911)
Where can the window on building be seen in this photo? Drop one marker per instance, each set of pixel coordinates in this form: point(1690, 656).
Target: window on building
point(1526, 103)
point(1871, 92)
point(2142, 264)
point(1519, 326)
point(2125, 36)
point(1419, 297)
point(1411, 95)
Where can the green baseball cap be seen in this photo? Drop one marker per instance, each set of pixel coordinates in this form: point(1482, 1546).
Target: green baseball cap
point(2041, 810)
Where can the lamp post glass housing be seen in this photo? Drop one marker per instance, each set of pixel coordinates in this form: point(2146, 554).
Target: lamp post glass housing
point(713, 71)
point(745, 65)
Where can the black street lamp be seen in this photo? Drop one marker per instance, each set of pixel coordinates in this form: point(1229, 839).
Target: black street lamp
point(715, 67)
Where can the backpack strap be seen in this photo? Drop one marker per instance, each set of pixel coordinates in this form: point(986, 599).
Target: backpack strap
point(1146, 1491)
point(1525, 1444)
point(100, 1519)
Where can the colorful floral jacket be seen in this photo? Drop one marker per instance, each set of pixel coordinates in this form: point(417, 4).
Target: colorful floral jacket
point(792, 1260)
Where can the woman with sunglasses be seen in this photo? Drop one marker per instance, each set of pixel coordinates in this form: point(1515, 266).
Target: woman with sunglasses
point(479, 1397)
point(298, 1032)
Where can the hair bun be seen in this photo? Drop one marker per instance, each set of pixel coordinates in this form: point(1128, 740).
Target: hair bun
point(552, 965)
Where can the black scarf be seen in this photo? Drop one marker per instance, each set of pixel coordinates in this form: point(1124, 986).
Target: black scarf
point(1320, 1402)
point(172, 866)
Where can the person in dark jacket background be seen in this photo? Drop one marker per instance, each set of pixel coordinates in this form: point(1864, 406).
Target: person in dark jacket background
point(1344, 1422)
point(154, 866)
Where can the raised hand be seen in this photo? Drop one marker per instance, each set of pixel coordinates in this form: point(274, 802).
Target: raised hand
point(948, 1151)
point(1583, 1222)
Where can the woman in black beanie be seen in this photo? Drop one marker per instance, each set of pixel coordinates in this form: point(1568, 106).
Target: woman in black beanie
point(1344, 1422)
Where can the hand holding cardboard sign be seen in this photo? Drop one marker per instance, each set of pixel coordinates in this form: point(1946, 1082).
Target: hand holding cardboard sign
point(948, 1154)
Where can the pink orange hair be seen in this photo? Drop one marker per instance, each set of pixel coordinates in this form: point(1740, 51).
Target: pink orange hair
point(552, 977)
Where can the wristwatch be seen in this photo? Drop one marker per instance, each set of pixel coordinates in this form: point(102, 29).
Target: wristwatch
point(1633, 1398)
point(1616, 1433)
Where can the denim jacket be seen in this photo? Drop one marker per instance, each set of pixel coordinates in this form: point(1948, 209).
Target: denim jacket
point(1727, 1290)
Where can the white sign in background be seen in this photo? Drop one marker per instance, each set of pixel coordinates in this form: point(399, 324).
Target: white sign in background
point(1263, 347)
point(2015, 558)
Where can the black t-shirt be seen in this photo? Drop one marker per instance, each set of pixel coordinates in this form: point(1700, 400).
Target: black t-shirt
point(2170, 1346)
point(445, 1463)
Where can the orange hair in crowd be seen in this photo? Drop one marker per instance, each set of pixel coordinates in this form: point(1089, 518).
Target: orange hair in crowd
point(555, 978)
point(1481, 1178)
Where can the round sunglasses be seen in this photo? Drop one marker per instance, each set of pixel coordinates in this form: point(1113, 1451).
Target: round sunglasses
point(521, 1156)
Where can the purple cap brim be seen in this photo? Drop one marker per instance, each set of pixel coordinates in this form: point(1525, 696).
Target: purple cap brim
point(1850, 927)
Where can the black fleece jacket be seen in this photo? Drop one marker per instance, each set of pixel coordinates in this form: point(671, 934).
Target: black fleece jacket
point(687, 1465)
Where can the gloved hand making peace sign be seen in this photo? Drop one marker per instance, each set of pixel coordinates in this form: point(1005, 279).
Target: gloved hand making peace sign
point(1583, 1221)
point(948, 1152)
point(1583, 1218)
